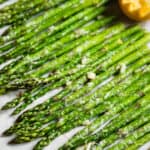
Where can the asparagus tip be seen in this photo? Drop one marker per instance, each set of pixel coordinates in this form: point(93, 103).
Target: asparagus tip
point(14, 141)
point(14, 113)
point(6, 133)
point(3, 108)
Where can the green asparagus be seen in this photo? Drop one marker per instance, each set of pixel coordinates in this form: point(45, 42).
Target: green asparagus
point(140, 142)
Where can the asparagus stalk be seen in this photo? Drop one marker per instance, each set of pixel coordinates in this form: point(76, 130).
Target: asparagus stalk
point(124, 131)
point(111, 46)
point(24, 36)
point(63, 33)
point(81, 137)
point(45, 141)
point(61, 104)
point(139, 63)
point(43, 21)
point(20, 34)
point(14, 7)
point(110, 63)
point(126, 118)
point(88, 54)
point(140, 142)
point(83, 101)
point(88, 13)
point(66, 39)
point(2, 1)
point(94, 41)
point(120, 77)
point(4, 48)
point(19, 12)
point(101, 77)
point(106, 88)
point(61, 60)
point(59, 85)
point(84, 46)
point(57, 132)
point(81, 113)
point(95, 64)
point(130, 139)
point(7, 12)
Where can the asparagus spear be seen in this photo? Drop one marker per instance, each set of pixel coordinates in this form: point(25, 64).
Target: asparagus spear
point(83, 47)
point(126, 118)
point(124, 131)
point(19, 12)
point(140, 142)
point(53, 38)
point(68, 38)
point(111, 46)
point(81, 137)
point(22, 106)
point(88, 13)
point(97, 38)
point(7, 12)
point(101, 77)
point(61, 104)
point(14, 7)
point(45, 141)
point(79, 68)
point(51, 103)
point(139, 63)
point(57, 132)
point(4, 48)
point(81, 113)
point(72, 5)
point(26, 35)
point(114, 60)
point(2, 1)
point(130, 139)
point(61, 60)
point(87, 55)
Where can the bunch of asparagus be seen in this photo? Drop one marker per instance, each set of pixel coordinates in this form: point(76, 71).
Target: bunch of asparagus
point(100, 66)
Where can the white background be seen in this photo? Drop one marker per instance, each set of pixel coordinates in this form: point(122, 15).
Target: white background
point(6, 121)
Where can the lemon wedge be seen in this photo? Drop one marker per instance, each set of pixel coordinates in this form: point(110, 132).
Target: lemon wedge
point(136, 9)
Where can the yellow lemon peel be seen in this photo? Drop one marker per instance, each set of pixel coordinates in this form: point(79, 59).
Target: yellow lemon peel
point(136, 9)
